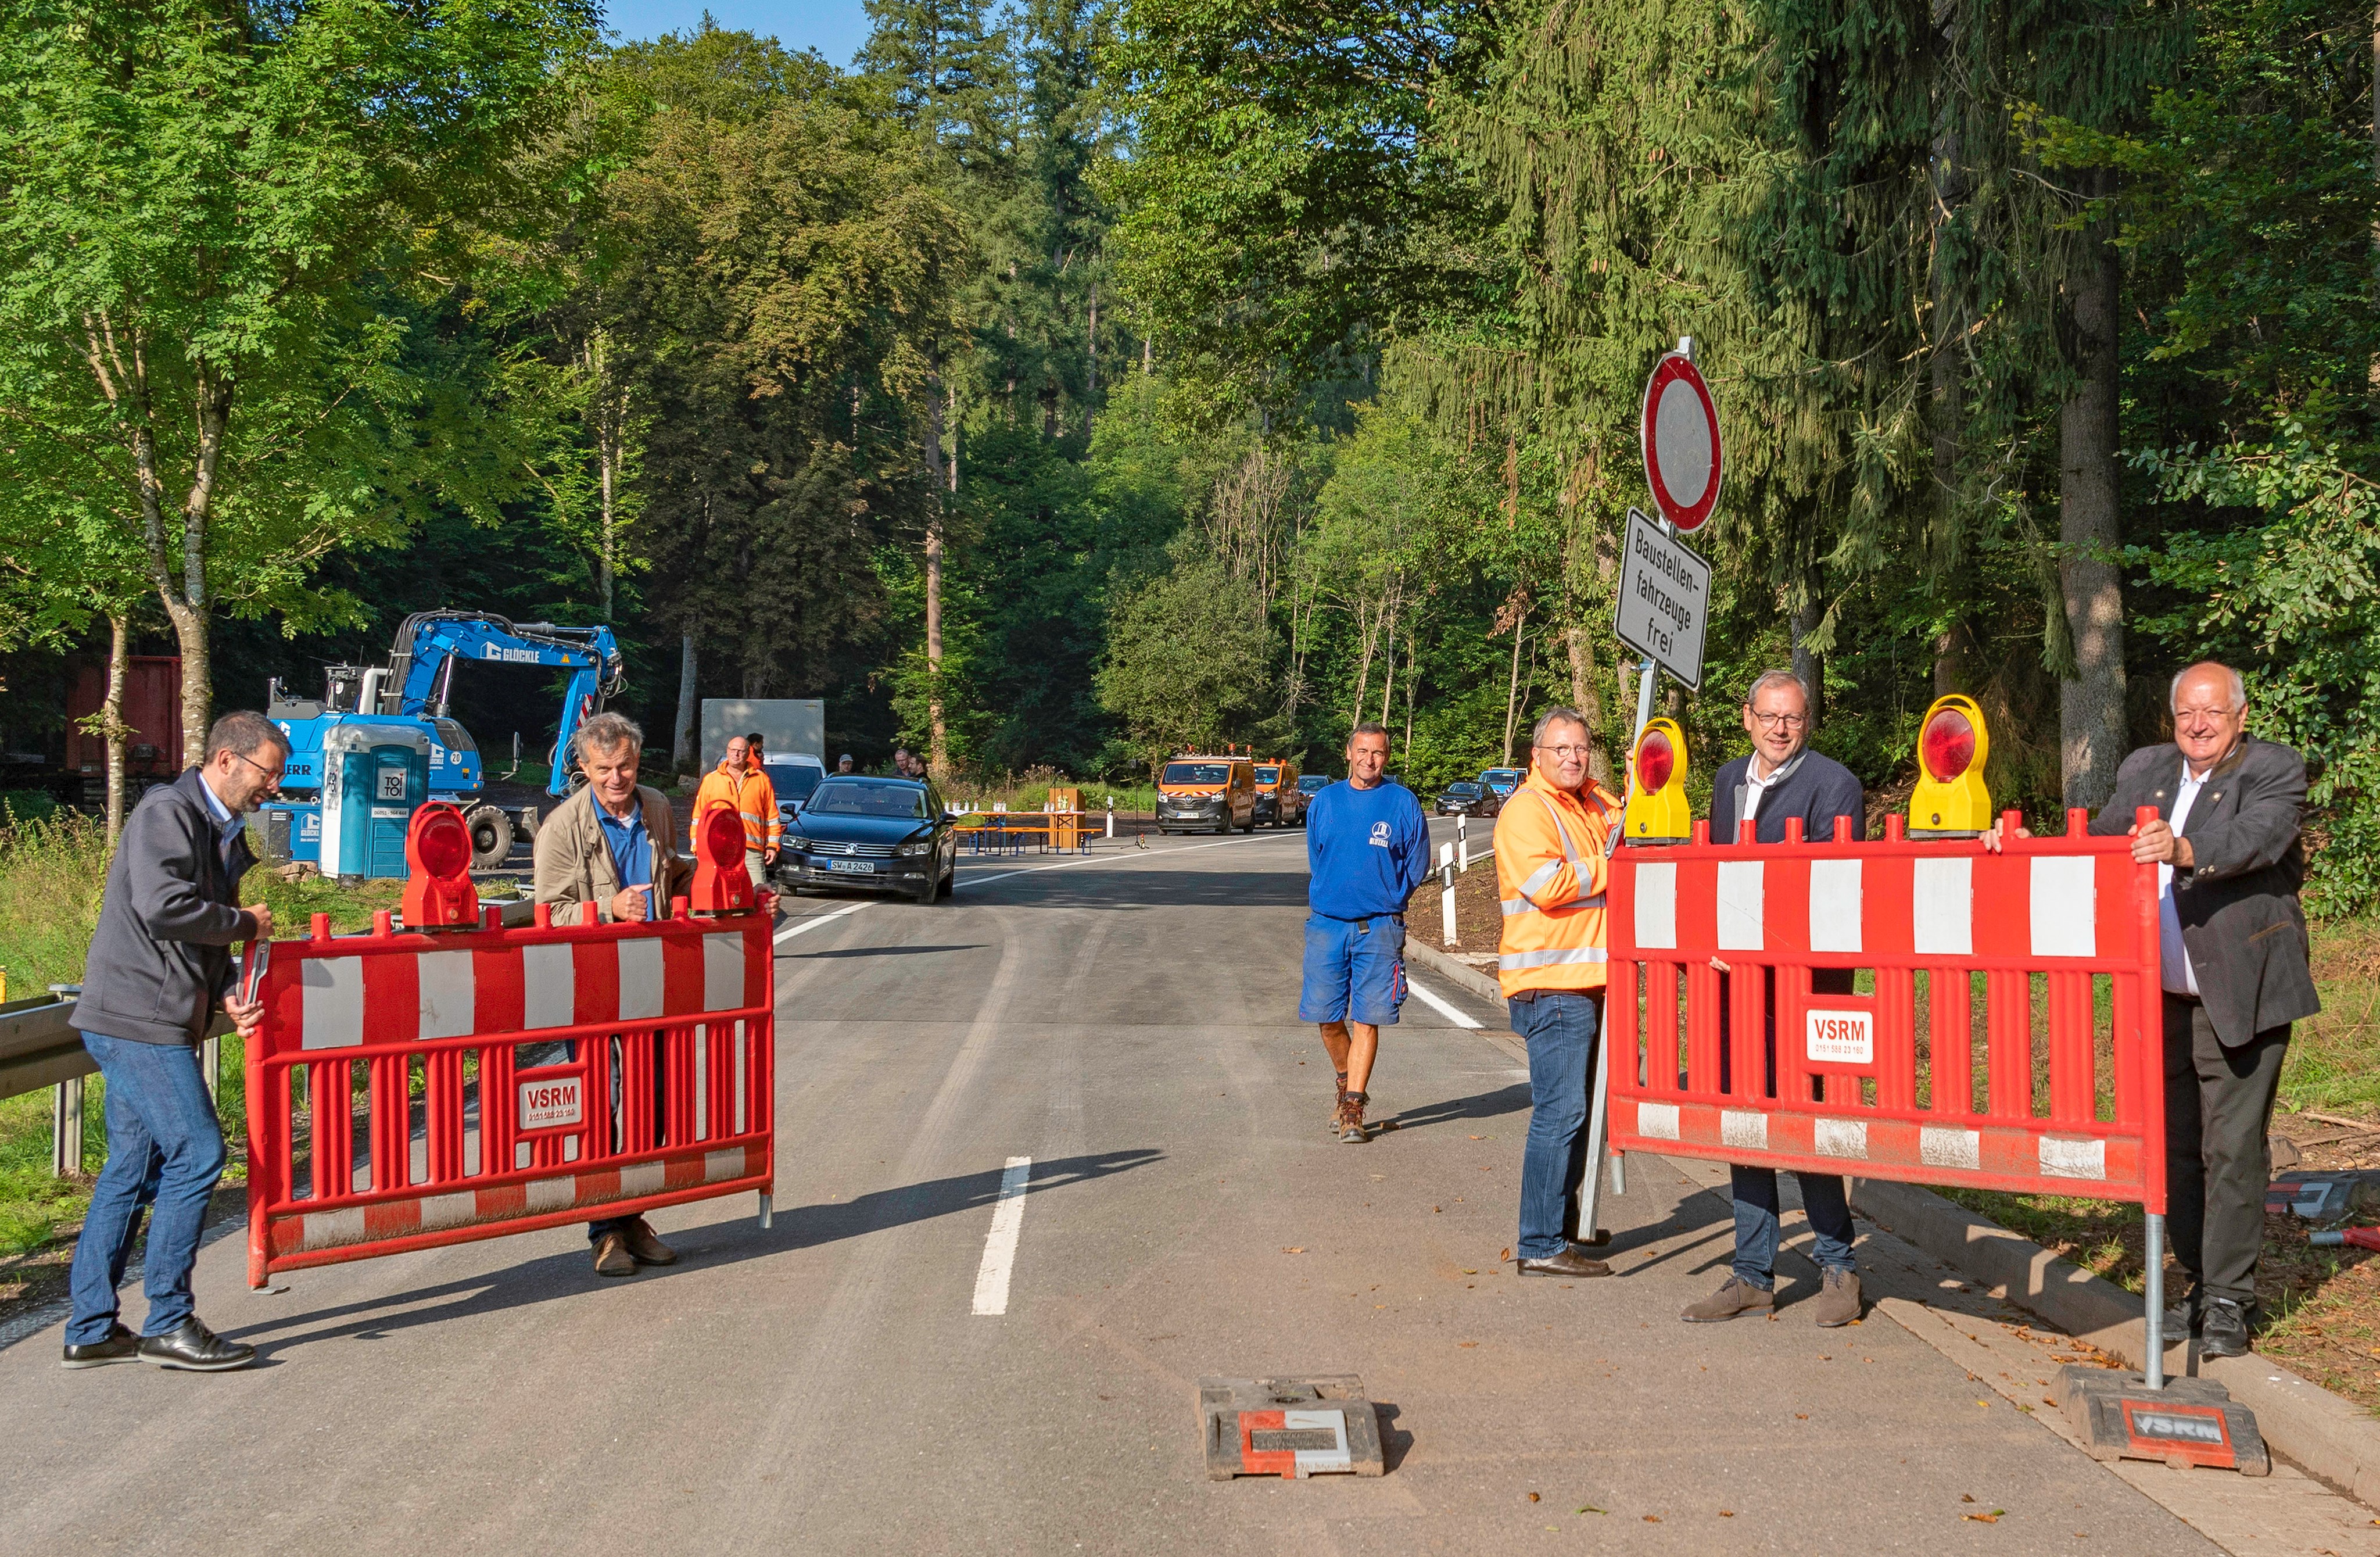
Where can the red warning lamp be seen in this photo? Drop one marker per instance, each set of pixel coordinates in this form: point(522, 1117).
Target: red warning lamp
point(721, 886)
point(1657, 810)
point(438, 890)
point(1950, 800)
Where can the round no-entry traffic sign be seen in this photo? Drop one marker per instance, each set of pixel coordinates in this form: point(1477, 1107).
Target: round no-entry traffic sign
point(1682, 452)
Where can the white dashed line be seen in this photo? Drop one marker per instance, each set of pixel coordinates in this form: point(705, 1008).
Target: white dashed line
point(1439, 1005)
point(1000, 1244)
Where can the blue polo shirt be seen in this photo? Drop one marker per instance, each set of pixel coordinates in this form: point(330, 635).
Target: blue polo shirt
point(632, 849)
point(1367, 850)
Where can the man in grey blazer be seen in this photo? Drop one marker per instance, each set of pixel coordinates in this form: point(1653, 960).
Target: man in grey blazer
point(2233, 953)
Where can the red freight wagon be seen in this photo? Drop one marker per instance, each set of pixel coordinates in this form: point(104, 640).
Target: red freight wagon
point(152, 706)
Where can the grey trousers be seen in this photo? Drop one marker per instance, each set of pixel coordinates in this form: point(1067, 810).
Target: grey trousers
point(2219, 1103)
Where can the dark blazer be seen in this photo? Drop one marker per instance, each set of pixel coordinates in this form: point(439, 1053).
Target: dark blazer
point(2237, 903)
point(160, 957)
point(1819, 790)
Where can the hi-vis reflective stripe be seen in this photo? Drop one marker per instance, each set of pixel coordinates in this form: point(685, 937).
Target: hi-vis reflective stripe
point(1512, 962)
point(1515, 907)
point(1541, 875)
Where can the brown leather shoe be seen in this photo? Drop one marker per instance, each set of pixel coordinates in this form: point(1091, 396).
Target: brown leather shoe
point(1350, 1119)
point(611, 1256)
point(1839, 1299)
point(1733, 1299)
point(1570, 1262)
point(645, 1246)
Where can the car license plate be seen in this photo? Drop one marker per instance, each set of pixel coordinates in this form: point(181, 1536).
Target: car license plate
point(857, 866)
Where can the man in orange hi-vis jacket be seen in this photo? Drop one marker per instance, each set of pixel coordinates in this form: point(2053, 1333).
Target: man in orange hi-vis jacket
point(739, 785)
point(1551, 869)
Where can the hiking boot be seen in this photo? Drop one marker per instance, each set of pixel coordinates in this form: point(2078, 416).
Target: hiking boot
point(1839, 1299)
point(1735, 1296)
point(611, 1256)
point(645, 1246)
point(1338, 1102)
point(1350, 1119)
point(2185, 1317)
point(2223, 1331)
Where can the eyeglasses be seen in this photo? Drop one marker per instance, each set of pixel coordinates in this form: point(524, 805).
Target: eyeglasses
point(271, 773)
point(1790, 720)
point(1567, 751)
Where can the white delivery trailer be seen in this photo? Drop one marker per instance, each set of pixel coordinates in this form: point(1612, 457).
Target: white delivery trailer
point(788, 726)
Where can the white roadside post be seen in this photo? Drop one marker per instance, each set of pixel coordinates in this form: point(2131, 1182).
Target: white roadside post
point(1462, 842)
point(1446, 895)
point(1111, 816)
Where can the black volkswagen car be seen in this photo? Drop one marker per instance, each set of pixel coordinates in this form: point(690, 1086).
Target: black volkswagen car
point(1464, 798)
point(890, 834)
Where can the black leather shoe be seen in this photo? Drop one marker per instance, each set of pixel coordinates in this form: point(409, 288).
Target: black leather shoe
point(196, 1349)
point(121, 1346)
point(2223, 1331)
point(1570, 1262)
point(2184, 1318)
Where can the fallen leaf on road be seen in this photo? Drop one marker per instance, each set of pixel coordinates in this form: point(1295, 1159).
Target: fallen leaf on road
point(1469, 1271)
point(1991, 1518)
point(1506, 1255)
point(1966, 1497)
point(2047, 1400)
point(1466, 1346)
point(1484, 1137)
point(1985, 1403)
point(1534, 1498)
point(1727, 1514)
point(1800, 1415)
point(1652, 1519)
point(1301, 1249)
point(1590, 1508)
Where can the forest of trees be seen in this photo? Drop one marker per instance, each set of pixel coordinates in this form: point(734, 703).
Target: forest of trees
point(1067, 381)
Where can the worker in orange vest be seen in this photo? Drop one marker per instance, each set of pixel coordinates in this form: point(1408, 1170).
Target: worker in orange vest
point(1550, 870)
point(739, 784)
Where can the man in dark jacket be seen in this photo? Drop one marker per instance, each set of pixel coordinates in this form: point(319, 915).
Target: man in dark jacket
point(159, 965)
point(2232, 952)
point(1781, 779)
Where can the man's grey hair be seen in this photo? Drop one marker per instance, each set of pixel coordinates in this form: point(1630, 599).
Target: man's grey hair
point(1368, 727)
point(606, 732)
point(1768, 678)
point(2239, 684)
point(244, 732)
point(1560, 714)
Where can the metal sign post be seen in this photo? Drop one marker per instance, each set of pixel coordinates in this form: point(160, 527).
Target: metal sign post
point(1663, 613)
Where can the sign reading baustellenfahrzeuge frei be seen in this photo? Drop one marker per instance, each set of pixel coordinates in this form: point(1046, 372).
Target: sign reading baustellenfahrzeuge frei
point(1664, 587)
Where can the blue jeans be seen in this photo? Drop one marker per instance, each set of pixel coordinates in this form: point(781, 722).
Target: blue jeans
point(1562, 1029)
point(166, 1152)
point(1823, 1202)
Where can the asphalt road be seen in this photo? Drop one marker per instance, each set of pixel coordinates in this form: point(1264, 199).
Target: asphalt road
point(830, 1386)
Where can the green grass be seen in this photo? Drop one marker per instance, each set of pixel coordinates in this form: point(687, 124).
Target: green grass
point(53, 872)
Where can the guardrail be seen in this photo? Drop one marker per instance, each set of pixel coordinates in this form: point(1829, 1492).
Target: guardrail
point(40, 1046)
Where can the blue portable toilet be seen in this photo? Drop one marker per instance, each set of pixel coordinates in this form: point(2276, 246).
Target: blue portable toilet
point(374, 778)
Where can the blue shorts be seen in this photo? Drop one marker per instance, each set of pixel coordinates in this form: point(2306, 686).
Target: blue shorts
point(1354, 970)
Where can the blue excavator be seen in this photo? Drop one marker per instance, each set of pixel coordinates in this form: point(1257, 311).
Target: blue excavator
point(414, 688)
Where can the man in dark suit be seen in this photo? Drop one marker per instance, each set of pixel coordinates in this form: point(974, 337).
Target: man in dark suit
point(1780, 779)
point(2233, 953)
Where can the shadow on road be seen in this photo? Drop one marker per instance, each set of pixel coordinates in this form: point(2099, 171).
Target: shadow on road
point(875, 951)
point(1147, 888)
point(1513, 1099)
point(705, 1249)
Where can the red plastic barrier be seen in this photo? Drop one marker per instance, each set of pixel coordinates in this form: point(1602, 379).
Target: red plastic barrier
point(416, 1033)
point(2071, 1099)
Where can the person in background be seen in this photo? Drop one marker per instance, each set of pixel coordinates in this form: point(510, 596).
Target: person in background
point(159, 967)
point(1368, 848)
point(740, 784)
point(1780, 779)
point(2234, 961)
point(1553, 966)
point(903, 763)
point(609, 854)
point(843, 764)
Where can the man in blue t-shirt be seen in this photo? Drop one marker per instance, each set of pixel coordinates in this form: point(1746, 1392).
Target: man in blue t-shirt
point(1368, 846)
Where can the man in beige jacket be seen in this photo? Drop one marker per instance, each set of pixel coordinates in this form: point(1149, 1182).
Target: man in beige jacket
point(609, 854)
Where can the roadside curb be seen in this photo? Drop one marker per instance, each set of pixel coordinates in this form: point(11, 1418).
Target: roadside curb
point(2331, 1436)
point(1462, 975)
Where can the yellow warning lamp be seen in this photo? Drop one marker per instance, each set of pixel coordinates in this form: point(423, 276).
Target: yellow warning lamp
point(1657, 810)
point(1951, 801)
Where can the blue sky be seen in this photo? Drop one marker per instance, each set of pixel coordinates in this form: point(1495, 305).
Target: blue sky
point(834, 28)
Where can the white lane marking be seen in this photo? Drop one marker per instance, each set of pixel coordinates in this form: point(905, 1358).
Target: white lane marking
point(1439, 1005)
point(1135, 858)
point(811, 922)
point(1000, 1244)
